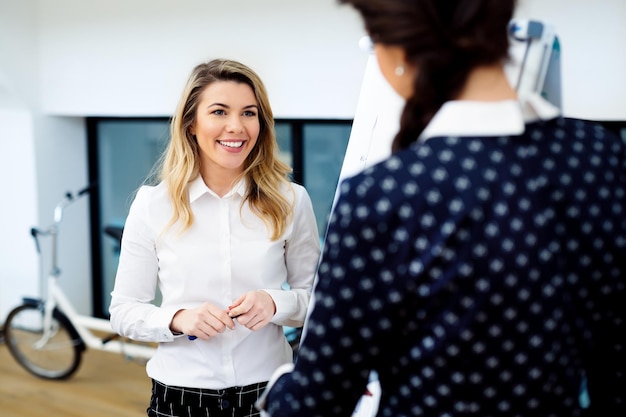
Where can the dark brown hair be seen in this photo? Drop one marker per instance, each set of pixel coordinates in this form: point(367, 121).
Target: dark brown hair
point(444, 40)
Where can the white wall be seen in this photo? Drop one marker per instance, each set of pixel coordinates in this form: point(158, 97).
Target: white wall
point(62, 60)
point(18, 182)
point(120, 57)
point(18, 263)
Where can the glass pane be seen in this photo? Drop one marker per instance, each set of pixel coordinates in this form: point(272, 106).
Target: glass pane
point(323, 148)
point(127, 151)
point(283, 137)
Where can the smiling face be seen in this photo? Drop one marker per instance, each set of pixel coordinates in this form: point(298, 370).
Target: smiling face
point(227, 128)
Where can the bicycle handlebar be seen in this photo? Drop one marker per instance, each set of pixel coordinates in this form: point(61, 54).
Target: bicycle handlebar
point(52, 230)
point(70, 198)
point(34, 232)
point(87, 189)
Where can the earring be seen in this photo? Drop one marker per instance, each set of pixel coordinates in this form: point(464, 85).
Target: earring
point(400, 70)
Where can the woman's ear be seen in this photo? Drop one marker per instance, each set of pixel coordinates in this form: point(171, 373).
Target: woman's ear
point(393, 64)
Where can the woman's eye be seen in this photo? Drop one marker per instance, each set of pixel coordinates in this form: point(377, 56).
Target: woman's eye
point(219, 112)
point(249, 113)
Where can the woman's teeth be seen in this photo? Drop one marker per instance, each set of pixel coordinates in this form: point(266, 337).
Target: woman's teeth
point(232, 144)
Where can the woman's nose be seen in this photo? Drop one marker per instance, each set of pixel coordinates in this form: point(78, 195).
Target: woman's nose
point(234, 124)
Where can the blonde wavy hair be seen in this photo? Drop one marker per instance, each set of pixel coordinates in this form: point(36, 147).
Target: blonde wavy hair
point(265, 173)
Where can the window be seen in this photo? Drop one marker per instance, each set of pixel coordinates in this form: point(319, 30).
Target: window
point(317, 150)
point(122, 152)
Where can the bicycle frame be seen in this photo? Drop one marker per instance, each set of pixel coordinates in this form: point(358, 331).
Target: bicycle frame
point(84, 325)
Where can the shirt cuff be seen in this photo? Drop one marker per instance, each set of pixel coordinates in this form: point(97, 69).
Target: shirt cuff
point(160, 321)
point(285, 305)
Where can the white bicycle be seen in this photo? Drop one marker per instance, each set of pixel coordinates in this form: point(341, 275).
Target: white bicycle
point(47, 336)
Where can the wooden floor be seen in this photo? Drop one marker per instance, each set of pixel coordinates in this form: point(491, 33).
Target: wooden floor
point(105, 385)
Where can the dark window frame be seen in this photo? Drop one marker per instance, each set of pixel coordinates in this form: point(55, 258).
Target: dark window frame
point(297, 128)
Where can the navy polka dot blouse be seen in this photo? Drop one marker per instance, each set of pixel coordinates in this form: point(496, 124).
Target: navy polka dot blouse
point(479, 276)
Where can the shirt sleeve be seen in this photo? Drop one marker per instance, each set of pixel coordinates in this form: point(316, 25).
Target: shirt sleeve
point(132, 313)
point(302, 250)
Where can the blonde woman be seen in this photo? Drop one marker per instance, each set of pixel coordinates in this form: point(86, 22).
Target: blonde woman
point(231, 244)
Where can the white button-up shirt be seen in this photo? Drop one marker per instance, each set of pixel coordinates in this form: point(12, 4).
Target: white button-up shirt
point(226, 252)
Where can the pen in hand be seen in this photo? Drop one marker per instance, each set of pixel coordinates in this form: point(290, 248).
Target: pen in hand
point(190, 337)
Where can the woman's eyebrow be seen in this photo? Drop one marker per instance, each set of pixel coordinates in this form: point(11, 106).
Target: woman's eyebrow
point(249, 106)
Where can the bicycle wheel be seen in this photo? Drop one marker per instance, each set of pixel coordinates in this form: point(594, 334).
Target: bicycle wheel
point(56, 357)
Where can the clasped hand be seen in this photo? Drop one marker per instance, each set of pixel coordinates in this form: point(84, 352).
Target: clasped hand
point(253, 310)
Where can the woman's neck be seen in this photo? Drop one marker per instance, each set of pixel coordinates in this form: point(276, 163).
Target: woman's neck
point(220, 183)
point(487, 83)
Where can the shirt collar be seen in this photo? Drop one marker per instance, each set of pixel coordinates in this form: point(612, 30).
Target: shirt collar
point(474, 118)
point(197, 188)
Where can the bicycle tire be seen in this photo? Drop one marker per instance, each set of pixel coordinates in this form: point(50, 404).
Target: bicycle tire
point(59, 358)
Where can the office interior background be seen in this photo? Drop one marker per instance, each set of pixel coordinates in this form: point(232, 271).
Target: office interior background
point(87, 89)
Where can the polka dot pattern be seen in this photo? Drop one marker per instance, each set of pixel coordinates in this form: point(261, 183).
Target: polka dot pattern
point(477, 276)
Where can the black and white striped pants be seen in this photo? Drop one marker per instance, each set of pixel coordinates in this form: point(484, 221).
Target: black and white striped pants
point(170, 401)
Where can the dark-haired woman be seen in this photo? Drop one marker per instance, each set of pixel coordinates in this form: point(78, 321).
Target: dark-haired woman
point(478, 270)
